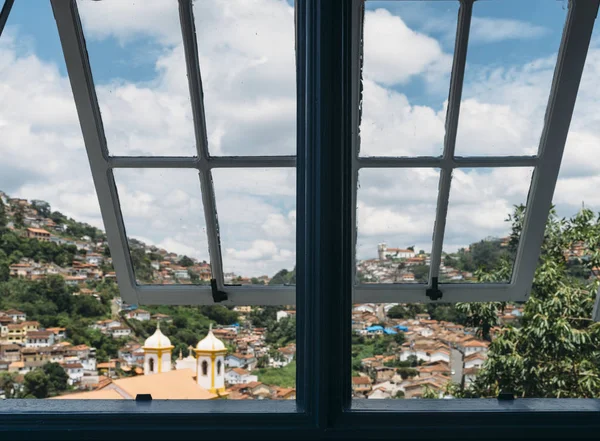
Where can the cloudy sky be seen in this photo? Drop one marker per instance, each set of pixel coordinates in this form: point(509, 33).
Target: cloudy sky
point(246, 51)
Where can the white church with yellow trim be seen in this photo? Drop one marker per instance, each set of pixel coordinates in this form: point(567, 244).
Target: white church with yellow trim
point(195, 377)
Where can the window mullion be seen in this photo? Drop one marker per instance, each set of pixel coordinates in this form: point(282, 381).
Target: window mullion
point(456, 85)
point(190, 45)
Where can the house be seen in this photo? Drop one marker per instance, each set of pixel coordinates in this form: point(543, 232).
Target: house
point(15, 334)
point(287, 354)
point(472, 346)
point(384, 252)
point(285, 314)
point(138, 314)
point(361, 385)
point(59, 333)
point(22, 270)
point(75, 280)
point(469, 375)
point(38, 233)
point(10, 352)
point(239, 376)
point(39, 339)
point(384, 373)
point(94, 258)
point(120, 331)
point(284, 393)
point(245, 361)
point(181, 273)
point(74, 371)
point(475, 360)
point(16, 315)
point(162, 318)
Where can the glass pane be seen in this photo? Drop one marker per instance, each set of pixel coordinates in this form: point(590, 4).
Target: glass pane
point(579, 176)
point(479, 244)
point(257, 223)
point(164, 220)
point(395, 217)
point(513, 47)
point(247, 58)
point(137, 59)
point(408, 47)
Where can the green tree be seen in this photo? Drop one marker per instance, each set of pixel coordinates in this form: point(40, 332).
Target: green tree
point(186, 261)
point(57, 378)
point(3, 217)
point(37, 384)
point(8, 383)
point(556, 351)
point(19, 216)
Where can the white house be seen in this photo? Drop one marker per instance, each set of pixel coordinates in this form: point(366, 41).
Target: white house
point(39, 339)
point(74, 371)
point(475, 360)
point(284, 314)
point(421, 354)
point(120, 331)
point(473, 346)
point(94, 258)
point(237, 360)
point(139, 314)
point(239, 376)
point(440, 354)
point(16, 315)
point(181, 273)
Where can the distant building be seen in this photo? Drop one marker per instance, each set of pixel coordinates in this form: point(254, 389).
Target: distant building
point(38, 233)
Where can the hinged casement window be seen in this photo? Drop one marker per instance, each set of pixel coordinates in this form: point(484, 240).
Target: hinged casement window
point(545, 165)
point(104, 165)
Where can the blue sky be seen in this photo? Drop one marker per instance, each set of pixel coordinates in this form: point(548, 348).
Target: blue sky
point(247, 62)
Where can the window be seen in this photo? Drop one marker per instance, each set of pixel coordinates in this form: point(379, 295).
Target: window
point(204, 368)
point(328, 168)
point(151, 364)
point(146, 171)
point(219, 367)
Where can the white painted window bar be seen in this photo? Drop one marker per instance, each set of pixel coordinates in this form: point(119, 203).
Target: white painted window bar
point(102, 165)
point(569, 68)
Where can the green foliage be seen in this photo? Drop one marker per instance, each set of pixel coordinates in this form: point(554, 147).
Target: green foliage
point(284, 377)
point(42, 207)
point(36, 384)
point(19, 216)
point(8, 383)
point(186, 261)
point(556, 351)
point(220, 314)
point(57, 378)
point(142, 264)
point(281, 333)
point(284, 277)
point(17, 247)
point(264, 316)
point(406, 311)
point(3, 217)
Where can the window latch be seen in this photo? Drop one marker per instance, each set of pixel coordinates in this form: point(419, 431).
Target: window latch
point(434, 293)
point(218, 296)
point(506, 396)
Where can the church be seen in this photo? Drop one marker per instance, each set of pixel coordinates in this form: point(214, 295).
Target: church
point(198, 377)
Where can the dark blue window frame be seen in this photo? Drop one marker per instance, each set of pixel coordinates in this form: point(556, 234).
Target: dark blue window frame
point(324, 408)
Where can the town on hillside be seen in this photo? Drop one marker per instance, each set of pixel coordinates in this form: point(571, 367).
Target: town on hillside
point(66, 333)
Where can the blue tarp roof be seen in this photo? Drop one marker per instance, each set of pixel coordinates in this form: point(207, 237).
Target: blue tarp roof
point(389, 331)
point(401, 328)
point(375, 328)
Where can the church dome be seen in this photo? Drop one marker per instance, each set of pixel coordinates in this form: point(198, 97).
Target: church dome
point(210, 343)
point(157, 340)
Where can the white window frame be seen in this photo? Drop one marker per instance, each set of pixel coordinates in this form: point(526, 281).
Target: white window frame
point(563, 93)
point(102, 165)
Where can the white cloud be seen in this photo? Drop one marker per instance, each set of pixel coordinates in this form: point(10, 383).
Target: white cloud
point(493, 30)
point(248, 71)
point(394, 53)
